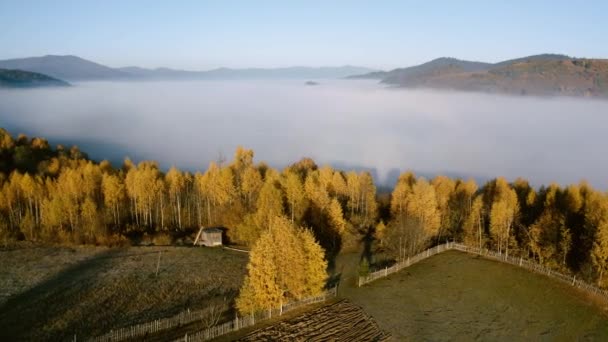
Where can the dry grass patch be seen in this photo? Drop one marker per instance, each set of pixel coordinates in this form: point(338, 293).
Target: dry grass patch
point(56, 292)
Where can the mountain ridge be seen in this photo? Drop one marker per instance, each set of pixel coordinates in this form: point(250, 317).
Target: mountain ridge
point(74, 68)
point(68, 67)
point(544, 75)
point(298, 72)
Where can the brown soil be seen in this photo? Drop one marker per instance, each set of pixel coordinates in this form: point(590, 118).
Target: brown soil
point(341, 321)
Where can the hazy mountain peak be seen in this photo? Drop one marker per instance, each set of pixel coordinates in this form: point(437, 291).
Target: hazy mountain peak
point(66, 67)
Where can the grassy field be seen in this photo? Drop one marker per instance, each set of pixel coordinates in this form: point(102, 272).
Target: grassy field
point(52, 293)
point(460, 297)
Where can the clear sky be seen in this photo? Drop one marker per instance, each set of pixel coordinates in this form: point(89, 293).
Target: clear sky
point(379, 34)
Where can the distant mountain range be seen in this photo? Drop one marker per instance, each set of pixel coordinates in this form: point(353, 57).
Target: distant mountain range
point(26, 79)
point(249, 73)
point(74, 68)
point(547, 74)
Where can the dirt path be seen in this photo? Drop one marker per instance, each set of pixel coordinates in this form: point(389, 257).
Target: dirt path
point(347, 270)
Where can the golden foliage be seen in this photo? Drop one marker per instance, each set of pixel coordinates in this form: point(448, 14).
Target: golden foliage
point(286, 263)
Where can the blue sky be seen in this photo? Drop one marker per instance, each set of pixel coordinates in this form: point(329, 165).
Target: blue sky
point(379, 34)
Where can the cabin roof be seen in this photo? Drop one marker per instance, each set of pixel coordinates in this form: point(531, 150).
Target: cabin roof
point(212, 230)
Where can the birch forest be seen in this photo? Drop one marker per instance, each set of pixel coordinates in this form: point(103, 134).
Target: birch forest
point(59, 195)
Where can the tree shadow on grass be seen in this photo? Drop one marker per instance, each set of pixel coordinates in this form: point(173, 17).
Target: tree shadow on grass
point(368, 241)
point(31, 315)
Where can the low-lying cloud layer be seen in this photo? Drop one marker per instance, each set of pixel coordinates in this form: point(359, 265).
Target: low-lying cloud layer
point(345, 123)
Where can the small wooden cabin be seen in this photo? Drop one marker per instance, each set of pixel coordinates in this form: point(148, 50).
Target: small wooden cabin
point(209, 237)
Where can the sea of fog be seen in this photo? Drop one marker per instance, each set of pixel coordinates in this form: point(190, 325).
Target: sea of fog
point(348, 124)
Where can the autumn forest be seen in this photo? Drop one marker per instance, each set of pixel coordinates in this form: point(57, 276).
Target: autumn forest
point(59, 195)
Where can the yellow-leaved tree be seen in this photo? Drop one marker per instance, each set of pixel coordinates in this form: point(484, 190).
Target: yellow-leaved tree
point(596, 215)
point(294, 193)
point(444, 190)
point(503, 215)
point(286, 263)
point(599, 253)
point(473, 224)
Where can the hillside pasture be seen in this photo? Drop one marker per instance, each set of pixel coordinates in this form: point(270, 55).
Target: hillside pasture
point(462, 297)
point(52, 293)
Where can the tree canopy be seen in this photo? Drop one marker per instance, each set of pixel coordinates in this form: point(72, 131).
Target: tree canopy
point(59, 195)
point(286, 263)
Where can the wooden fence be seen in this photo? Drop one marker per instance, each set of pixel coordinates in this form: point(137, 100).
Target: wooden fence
point(517, 261)
point(535, 267)
point(249, 320)
point(151, 327)
point(405, 263)
point(144, 329)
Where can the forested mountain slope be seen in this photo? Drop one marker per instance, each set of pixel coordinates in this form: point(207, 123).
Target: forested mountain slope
point(25, 79)
point(534, 75)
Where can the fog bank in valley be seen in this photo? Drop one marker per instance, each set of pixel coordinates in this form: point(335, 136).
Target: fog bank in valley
point(343, 123)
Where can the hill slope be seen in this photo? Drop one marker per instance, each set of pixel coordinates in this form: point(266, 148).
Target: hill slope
point(26, 79)
point(547, 74)
point(436, 67)
point(46, 291)
point(69, 68)
point(541, 57)
point(465, 297)
point(574, 77)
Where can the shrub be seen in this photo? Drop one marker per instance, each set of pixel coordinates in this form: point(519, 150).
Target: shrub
point(146, 240)
point(113, 240)
point(162, 239)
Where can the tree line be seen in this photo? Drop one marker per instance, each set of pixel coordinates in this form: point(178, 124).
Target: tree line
point(565, 228)
point(59, 195)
